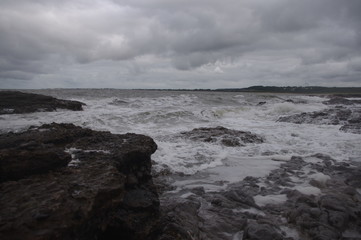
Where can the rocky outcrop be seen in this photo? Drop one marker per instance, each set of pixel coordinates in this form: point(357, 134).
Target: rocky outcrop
point(352, 128)
point(346, 112)
point(349, 117)
point(333, 116)
point(12, 102)
point(224, 136)
point(312, 197)
point(341, 101)
point(59, 181)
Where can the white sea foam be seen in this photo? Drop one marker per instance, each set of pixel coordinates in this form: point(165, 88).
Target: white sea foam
point(308, 190)
point(270, 199)
point(290, 232)
point(250, 210)
point(163, 115)
point(75, 161)
point(320, 177)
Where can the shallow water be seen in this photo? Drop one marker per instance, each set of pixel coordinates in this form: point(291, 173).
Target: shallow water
point(164, 114)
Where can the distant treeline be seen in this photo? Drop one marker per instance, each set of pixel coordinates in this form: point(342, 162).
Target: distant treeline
point(313, 89)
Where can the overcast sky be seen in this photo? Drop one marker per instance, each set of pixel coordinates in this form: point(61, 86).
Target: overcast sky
point(179, 43)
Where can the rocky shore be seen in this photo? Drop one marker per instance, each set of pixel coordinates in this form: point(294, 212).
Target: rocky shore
point(341, 111)
point(15, 102)
point(314, 197)
point(60, 181)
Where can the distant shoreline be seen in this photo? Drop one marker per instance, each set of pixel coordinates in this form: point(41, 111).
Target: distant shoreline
point(272, 89)
point(344, 91)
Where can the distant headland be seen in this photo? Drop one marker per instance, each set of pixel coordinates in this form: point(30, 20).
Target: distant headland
point(286, 89)
point(309, 89)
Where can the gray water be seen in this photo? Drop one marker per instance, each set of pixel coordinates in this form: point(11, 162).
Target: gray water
point(163, 115)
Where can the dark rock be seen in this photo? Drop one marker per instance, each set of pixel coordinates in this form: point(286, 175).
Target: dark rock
point(15, 165)
point(348, 114)
point(105, 192)
point(204, 215)
point(332, 116)
point(257, 231)
point(180, 219)
point(224, 136)
point(234, 214)
point(341, 101)
point(12, 102)
point(352, 128)
point(329, 215)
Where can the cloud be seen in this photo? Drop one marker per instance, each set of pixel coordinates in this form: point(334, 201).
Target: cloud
point(43, 38)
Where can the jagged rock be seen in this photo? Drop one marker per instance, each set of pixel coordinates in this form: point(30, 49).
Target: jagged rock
point(104, 192)
point(327, 216)
point(234, 213)
point(224, 136)
point(341, 101)
point(208, 215)
point(352, 128)
point(349, 117)
point(332, 116)
point(202, 216)
point(180, 219)
point(12, 102)
point(257, 231)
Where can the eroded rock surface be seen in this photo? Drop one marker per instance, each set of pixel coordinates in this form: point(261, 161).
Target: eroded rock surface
point(312, 197)
point(60, 181)
point(12, 102)
point(225, 136)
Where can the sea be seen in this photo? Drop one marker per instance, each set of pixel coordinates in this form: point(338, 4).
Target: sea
point(164, 115)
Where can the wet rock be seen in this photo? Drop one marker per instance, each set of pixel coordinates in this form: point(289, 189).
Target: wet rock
point(257, 231)
point(341, 101)
point(15, 164)
point(179, 219)
point(349, 118)
point(204, 215)
point(234, 213)
point(329, 215)
point(224, 136)
point(209, 215)
point(14, 102)
point(105, 191)
point(333, 116)
point(352, 128)
point(346, 113)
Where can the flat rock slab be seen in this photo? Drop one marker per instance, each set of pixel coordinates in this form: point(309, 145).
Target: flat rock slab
point(224, 136)
point(14, 102)
point(60, 181)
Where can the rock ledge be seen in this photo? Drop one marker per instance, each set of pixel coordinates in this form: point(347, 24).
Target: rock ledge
point(59, 181)
point(13, 102)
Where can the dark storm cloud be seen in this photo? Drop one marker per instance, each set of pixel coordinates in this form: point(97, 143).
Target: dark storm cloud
point(45, 36)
